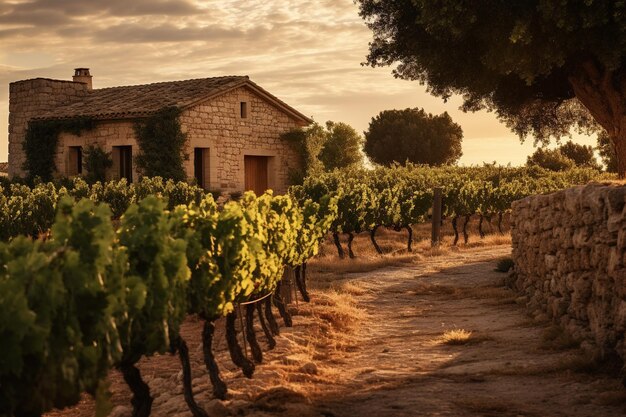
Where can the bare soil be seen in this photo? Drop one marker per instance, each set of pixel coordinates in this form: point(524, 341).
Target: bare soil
point(377, 340)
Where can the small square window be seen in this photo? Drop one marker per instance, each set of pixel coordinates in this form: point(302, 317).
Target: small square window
point(243, 109)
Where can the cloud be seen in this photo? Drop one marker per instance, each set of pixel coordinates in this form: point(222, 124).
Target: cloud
point(307, 52)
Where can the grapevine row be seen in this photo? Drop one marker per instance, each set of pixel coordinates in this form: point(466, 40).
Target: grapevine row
point(401, 196)
point(92, 296)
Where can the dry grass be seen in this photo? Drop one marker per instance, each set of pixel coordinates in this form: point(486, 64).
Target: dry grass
point(456, 337)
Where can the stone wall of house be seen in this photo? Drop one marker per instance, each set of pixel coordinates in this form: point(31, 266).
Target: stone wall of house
point(28, 99)
point(106, 135)
point(217, 125)
point(569, 250)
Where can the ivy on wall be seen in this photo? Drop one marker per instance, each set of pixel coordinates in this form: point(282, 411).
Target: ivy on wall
point(96, 161)
point(42, 139)
point(162, 145)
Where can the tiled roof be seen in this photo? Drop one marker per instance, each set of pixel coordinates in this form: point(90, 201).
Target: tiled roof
point(142, 100)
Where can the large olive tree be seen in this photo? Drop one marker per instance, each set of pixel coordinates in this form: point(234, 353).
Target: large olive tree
point(532, 62)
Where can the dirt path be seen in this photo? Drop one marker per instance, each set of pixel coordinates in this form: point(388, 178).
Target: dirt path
point(370, 344)
point(403, 369)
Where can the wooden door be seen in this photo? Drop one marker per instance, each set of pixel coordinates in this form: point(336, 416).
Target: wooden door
point(255, 168)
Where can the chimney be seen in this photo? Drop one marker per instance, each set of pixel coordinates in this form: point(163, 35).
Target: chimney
point(81, 75)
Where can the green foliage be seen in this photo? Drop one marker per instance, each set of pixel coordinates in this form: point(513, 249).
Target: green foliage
point(162, 145)
point(400, 196)
point(308, 143)
point(342, 147)
point(551, 159)
point(57, 306)
point(582, 155)
point(42, 139)
point(96, 161)
point(525, 61)
point(89, 298)
point(606, 149)
point(415, 136)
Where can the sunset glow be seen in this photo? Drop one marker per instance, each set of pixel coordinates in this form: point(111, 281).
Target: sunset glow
point(308, 53)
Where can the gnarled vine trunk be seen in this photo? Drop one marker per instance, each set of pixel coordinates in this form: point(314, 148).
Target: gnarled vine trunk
point(300, 282)
point(500, 223)
point(271, 320)
point(373, 239)
point(183, 353)
point(280, 305)
point(409, 242)
point(340, 251)
point(255, 348)
point(465, 235)
point(219, 387)
point(455, 220)
point(350, 239)
point(142, 400)
point(236, 354)
point(480, 227)
point(271, 342)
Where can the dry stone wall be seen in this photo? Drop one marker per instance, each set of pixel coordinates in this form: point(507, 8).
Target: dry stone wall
point(569, 250)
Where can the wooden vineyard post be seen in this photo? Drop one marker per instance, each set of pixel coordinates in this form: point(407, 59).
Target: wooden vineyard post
point(436, 235)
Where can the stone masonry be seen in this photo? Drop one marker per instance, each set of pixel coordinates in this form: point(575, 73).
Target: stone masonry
point(28, 99)
point(214, 124)
point(569, 249)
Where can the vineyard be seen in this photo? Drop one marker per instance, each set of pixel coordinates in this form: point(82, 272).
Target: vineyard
point(98, 276)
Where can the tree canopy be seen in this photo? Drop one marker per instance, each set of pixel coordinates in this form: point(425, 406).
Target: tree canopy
point(342, 147)
point(581, 155)
point(533, 62)
point(321, 148)
point(413, 135)
point(551, 159)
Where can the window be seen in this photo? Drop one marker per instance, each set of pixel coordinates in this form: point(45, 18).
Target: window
point(75, 161)
point(123, 158)
point(243, 109)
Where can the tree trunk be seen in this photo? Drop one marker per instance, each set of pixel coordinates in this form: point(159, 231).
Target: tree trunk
point(350, 239)
point(234, 348)
point(219, 387)
point(603, 92)
point(456, 230)
point(340, 251)
point(271, 342)
point(257, 353)
point(142, 400)
point(500, 223)
point(271, 320)
point(373, 239)
point(183, 353)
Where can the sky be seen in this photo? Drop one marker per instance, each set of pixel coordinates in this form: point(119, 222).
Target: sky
point(308, 53)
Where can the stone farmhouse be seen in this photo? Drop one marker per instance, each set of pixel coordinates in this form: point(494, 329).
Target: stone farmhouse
point(232, 126)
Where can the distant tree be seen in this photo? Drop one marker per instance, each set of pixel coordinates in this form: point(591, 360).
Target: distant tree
point(606, 150)
point(532, 62)
point(342, 147)
point(551, 159)
point(415, 136)
point(581, 155)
